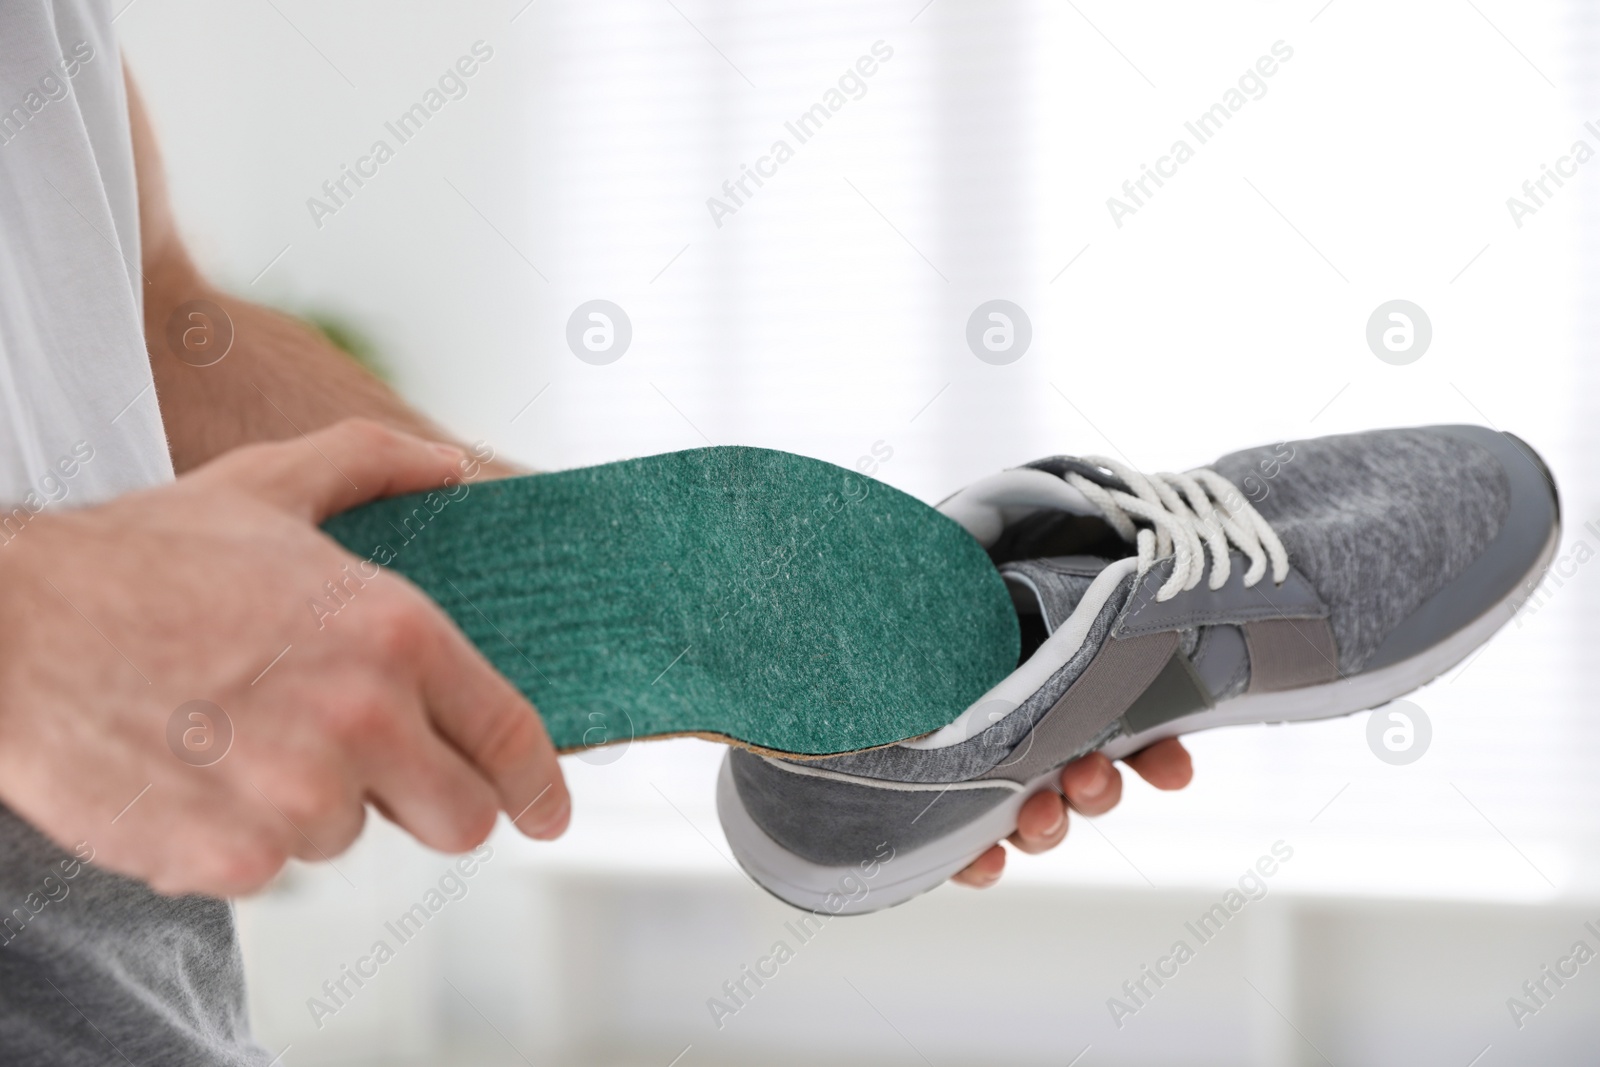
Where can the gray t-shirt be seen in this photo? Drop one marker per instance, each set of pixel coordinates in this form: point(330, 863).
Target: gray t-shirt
point(94, 968)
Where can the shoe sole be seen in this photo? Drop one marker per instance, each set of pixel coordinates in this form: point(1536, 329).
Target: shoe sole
point(820, 887)
point(751, 596)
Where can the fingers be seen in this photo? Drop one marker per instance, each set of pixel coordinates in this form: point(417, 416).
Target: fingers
point(1165, 764)
point(1041, 823)
point(984, 871)
point(236, 864)
point(321, 810)
point(1092, 785)
point(231, 851)
point(422, 784)
point(440, 748)
point(334, 469)
point(499, 733)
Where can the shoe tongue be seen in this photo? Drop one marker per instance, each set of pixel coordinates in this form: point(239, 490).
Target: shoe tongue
point(1061, 466)
point(1051, 587)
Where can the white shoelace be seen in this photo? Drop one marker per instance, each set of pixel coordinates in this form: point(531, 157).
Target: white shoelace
point(1182, 516)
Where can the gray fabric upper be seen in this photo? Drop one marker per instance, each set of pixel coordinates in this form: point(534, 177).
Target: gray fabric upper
point(1374, 522)
point(1089, 713)
point(1377, 521)
point(1220, 660)
point(1057, 584)
point(974, 756)
point(1507, 567)
point(1235, 602)
point(1396, 538)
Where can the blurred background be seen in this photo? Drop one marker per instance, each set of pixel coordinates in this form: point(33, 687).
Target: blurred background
point(825, 312)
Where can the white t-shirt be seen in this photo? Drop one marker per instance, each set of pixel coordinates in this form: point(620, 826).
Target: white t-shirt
point(79, 421)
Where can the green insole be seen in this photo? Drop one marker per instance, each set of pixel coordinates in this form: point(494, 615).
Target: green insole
point(756, 596)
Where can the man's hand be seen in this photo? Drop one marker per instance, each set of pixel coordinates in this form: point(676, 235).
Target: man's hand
point(1092, 786)
point(114, 616)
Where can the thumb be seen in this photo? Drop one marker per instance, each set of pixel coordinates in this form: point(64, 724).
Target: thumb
point(331, 470)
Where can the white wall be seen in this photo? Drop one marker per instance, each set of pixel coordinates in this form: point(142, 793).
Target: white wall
point(608, 963)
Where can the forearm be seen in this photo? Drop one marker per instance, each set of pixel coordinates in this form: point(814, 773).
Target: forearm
point(279, 378)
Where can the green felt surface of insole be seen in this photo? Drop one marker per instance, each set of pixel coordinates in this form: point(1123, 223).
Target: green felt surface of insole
point(777, 601)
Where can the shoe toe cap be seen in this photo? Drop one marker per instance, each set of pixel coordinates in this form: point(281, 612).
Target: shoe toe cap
point(1512, 560)
point(1407, 535)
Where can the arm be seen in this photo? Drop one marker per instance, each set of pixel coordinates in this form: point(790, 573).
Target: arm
point(279, 378)
point(197, 590)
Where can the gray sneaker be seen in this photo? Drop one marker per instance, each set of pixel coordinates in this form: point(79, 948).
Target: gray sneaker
point(1299, 581)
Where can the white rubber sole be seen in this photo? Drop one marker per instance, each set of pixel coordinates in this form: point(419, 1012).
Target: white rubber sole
point(838, 890)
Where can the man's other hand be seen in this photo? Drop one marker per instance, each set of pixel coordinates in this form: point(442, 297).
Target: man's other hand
point(1091, 786)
